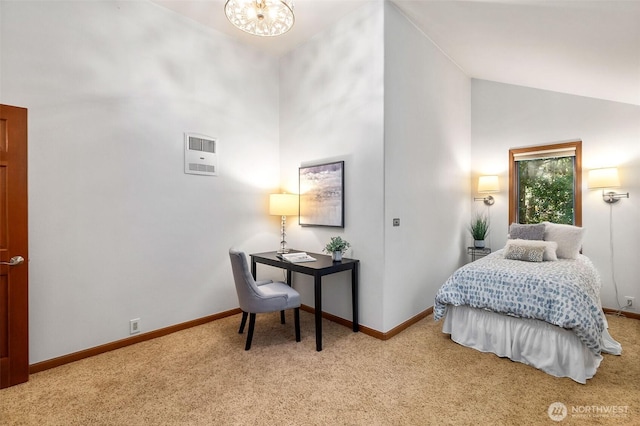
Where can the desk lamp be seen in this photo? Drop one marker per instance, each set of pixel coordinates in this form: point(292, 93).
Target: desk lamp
point(283, 205)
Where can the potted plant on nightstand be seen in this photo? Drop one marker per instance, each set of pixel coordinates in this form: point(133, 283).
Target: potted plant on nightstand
point(479, 228)
point(337, 246)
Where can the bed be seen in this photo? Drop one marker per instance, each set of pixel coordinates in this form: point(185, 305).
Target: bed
point(544, 312)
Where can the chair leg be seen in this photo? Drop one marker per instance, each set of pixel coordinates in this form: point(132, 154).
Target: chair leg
point(296, 319)
point(252, 324)
point(243, 322)
point(282, 317)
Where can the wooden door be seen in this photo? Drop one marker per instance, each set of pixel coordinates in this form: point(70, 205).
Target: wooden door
point(14, 312)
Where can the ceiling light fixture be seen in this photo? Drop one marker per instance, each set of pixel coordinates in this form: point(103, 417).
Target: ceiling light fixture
point(265, 18)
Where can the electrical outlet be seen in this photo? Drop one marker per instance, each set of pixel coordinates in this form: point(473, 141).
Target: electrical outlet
point(629, 300)
point(396, 221)
point(134, 326)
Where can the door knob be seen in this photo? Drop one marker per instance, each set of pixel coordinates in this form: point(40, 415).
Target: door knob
point(15, 260)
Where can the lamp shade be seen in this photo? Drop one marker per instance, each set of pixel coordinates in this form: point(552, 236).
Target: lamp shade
point(283, 204)
point(488, 184)
point(603, 178)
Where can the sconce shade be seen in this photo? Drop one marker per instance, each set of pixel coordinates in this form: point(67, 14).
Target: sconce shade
point(603, 178)
point(487, 184)
point(283, 204)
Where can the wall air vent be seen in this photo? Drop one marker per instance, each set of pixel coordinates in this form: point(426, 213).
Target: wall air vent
point(200, 155)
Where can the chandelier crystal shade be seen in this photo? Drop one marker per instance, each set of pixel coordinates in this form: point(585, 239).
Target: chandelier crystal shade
point(266, 18)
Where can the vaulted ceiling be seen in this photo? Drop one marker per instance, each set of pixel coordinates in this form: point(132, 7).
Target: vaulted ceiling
point(587, 48)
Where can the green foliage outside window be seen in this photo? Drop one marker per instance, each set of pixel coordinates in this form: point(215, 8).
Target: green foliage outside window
point(546, 190)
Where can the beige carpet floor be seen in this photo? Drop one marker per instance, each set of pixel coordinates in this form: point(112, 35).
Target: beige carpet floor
point(203, 376)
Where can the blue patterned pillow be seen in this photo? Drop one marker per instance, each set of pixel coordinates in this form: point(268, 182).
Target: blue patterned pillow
point(528, 253)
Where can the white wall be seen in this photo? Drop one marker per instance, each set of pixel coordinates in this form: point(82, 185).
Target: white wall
point(117, 230)
point(331, 108)
point(506, 116)
point(400, 120)
point(426, 162)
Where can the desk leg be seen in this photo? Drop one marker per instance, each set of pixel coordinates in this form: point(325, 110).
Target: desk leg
point(354, 297)
point(253, 268)
point(318, 301)
point(289, 282)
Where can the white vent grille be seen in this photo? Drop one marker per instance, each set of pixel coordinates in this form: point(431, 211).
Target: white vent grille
point(202, 168)
point(200, 144)
point(200, 155)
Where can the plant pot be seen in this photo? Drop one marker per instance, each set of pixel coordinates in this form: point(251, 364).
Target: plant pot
point(336, 256)
point(478, 243)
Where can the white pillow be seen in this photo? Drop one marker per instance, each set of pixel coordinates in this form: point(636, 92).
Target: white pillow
point(550, 247)
point(568, 237)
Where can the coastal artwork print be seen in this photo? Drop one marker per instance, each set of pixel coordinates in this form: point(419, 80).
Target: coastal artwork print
point(322, 195)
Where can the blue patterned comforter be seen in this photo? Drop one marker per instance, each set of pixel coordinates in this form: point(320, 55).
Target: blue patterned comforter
point(563, 292)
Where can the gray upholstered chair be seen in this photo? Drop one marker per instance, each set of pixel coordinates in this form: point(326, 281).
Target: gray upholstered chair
point(262, 296)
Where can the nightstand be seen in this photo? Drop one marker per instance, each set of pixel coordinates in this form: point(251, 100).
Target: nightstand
point(477, 253)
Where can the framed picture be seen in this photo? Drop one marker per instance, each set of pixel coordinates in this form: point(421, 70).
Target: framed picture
point(321, 189)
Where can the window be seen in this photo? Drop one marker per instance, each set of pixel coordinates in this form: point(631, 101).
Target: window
point(545, 184)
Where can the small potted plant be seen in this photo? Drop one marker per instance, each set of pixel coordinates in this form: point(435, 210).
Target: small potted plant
point(479, 228)
point(337, 246)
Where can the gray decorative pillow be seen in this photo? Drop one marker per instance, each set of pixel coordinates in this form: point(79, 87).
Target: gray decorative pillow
point(528, 253)
point(518, 231)
point(550, 247)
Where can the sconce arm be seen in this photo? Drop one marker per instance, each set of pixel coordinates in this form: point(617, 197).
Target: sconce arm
point(488, 200)
point(613, 197)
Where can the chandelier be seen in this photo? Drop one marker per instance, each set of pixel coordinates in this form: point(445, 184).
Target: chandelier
point(264, 18)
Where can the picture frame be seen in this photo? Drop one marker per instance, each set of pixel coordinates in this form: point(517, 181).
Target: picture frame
point(321, 189)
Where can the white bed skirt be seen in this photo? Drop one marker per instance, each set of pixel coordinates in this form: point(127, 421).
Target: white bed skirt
point(547, 347)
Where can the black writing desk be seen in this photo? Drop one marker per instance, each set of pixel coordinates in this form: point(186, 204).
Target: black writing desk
point(321, 267)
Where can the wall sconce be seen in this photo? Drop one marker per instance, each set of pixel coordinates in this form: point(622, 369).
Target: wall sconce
point(283, 205)
point(486, 185)
point(606, 178)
